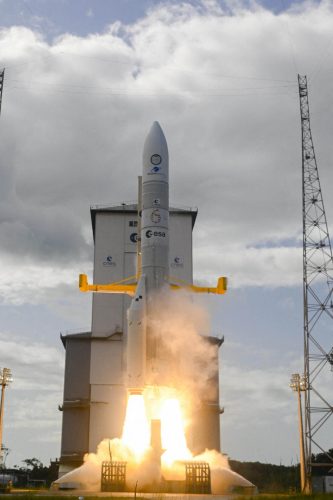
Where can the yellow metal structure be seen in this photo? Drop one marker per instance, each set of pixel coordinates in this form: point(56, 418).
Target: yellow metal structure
point(220, 289)
point(118, 287)
point(129, 289)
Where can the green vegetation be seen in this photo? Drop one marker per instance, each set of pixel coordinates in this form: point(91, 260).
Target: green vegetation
point(269, 478)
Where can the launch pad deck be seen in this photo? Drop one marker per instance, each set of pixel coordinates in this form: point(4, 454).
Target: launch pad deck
point(147, 496)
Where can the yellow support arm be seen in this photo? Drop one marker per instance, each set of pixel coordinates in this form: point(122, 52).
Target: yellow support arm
point(220, 289)
point(109, 288)
point(129, 289)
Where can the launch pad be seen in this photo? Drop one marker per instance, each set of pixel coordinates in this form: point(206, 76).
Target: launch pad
point(197, 479)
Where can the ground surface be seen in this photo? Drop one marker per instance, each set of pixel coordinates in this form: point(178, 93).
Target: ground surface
point(31, 495)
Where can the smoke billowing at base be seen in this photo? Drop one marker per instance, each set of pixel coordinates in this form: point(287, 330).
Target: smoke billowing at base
point(187, 366)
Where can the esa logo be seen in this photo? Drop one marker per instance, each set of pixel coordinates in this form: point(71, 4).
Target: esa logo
point(134, 237)
point(109, 262)
point(177, 262)
point(160, 234)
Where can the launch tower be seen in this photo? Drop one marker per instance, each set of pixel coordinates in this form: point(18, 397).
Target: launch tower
point(318, 299)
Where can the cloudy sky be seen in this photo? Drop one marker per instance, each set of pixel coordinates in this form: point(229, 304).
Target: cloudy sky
point(84, 80)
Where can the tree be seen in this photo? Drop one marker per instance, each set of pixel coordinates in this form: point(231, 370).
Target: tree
point(33, 463)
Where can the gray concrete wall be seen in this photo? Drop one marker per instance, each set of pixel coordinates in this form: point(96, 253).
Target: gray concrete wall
point(75, 407)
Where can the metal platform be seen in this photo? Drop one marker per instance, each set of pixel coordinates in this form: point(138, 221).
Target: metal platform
point(197, 478)
point(113, 476)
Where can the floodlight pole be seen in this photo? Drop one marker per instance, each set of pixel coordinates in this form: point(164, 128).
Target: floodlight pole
point(5, 379)
point(1, 418)
point(298, 385)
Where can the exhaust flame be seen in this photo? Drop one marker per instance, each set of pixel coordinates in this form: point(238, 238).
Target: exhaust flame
point(136, 431)
point(173, 433)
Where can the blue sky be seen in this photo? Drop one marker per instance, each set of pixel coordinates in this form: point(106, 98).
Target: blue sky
point(80, 94)
point(82, 17)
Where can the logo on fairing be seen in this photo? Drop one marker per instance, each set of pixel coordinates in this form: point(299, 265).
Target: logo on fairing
point(155, 170)
point(155, 216)
point(155, 159)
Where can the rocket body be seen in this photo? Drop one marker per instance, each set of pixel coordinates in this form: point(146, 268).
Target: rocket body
point(141, 344)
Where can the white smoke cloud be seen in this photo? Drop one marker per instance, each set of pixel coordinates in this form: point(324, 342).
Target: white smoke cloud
point(181, 328)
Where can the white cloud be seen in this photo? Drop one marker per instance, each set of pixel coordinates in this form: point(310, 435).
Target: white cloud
point(25, 281)
point(79, 110)
point(281, 266)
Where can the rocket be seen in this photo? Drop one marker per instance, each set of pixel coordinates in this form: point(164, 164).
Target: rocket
point(154, 253)
point(153, 265)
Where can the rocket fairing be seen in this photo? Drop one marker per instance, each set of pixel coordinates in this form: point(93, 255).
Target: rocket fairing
point(155, 210)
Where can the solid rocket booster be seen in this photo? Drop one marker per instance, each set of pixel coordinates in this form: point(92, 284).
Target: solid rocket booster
point(136, 339)
point(155, 210)
point(154, 251)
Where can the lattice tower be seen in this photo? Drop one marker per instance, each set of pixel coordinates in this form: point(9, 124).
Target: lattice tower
point(318, 306)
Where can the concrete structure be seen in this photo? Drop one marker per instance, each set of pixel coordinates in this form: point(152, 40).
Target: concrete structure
point(94, 389)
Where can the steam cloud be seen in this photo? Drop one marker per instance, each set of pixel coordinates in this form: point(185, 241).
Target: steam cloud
point(88, 476)
point(182, 328)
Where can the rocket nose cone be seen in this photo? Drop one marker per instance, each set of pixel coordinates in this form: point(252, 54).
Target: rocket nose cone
point(155, 143)
point(156, 127)
point(155, 155)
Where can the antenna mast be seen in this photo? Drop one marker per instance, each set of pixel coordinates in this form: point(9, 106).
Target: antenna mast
point(318, 306)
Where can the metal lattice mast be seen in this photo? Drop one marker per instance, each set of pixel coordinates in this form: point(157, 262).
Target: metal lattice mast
point(2, 77)
point(318, 306)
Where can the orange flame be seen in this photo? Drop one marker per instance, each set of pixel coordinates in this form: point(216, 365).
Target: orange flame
point(136, 431)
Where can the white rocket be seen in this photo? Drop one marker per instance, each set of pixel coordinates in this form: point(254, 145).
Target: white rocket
point(153, 273)
point(154, 252)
